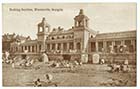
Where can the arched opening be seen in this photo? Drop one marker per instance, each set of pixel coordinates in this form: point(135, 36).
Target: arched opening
point(93, 47)
point(39, 47)
point(32, 48)
point(40, 29)
point(28, 48)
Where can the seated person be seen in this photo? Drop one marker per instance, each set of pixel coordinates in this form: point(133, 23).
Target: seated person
point(37, 83)
point(49, 78)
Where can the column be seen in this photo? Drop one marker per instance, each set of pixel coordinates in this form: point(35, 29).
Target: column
point(50, 46)
point(34, 48)
point(46, 48)
point(68, 46)
point(113, 44)
point(89, 47)
point(56, 46)
point(104, 46)
point(31, 48)
point(75, 46)
point(23, 48)
point(96, 43)
point(61, 47)
point(122, 42)
point(37, 47)
point(133, 43)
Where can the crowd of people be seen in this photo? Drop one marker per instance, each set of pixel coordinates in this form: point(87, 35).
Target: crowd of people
point(26, 61)
point(17, 61)
point(119, 67)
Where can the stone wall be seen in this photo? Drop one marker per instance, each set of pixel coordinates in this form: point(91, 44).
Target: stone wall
point(116, 58)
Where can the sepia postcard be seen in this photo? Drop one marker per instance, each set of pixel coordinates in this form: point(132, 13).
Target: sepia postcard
point(69, 44)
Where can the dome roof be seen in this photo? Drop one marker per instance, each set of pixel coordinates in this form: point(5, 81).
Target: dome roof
point(43, 22)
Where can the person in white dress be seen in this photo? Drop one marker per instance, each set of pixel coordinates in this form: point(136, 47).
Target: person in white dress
point(45, 57)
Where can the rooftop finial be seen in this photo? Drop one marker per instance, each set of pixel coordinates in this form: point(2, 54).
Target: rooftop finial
point(43, 19)
point(81, 11)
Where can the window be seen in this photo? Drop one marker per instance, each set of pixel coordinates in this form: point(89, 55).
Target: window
point(100, 46)
point(22, 48)
point(80, 23)
point(59, 46)
point(78, 46)
point(109, 43)
point(65, 46)
point(47, 29)
point(63, 37)
point(87, 23)
point(131, 49)
point(41, 29)
point(52, 38)
point(58, 37)
point(25, 47)
point(72, 36)
point(32, 48)
point(39, 47)
point(115, 49)
point(117, 43)
point(127, 42)
point(28, 48)
point(53, 46)
point(48, 46)
point(71, 45)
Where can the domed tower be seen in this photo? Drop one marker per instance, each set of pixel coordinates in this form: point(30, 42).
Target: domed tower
point(43, 32)
point(81, 31)
point(81, 20)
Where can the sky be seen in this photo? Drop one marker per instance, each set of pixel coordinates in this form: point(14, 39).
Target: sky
point(104, 17)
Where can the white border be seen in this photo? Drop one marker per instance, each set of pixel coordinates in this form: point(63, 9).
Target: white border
point(30, 1)
point(74, 1)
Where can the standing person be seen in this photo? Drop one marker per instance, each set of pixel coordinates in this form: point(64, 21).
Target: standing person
point(45, 57)
point(126, 66)
point(7, 56)
point(102, 61)
point(3, 57)
point(126, 62)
